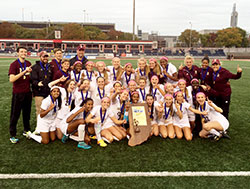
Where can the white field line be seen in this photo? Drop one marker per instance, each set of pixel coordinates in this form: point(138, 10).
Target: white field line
point(125, 174)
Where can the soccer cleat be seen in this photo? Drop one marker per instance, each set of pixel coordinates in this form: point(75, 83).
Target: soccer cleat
point(101, 143)
point(14, 140)
point(65, 138)
point(116, 138)
point(217, 138)
point(83, 145)
point(225, 135)
point(92, 137)
point(27, 134)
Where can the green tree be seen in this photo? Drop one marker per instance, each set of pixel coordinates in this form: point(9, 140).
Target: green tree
point(187, 35)
point(92, 32)
point(243, 33)
point(7, 30)
point(208, 40)
point(229, 37)
point(73, 31)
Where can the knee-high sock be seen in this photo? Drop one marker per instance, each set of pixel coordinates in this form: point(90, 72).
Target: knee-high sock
point(98, 129)
point(73, 137)
point(213, 131)
point(81, 132)
point(36, 137)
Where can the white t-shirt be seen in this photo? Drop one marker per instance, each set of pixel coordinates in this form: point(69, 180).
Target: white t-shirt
point(95, 94)
point(46, 104)
point(76, 77)
point(116, 106)
point(90, 76)
point(143, 93)
point(171, 69)
point(213, 115)
point(95, 112)
point(142, 73)
point(157, 94)
point(111, 74)
point(184, 109)
point(66, 105)
point(125, 78)
point(79, 96)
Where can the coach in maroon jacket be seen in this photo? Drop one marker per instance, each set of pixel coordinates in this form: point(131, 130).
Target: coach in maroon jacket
point(19, 75)
point(56, 62)
point(190, 71)
point(221, 88)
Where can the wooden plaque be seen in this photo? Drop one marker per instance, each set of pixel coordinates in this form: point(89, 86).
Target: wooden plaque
point(139, 124)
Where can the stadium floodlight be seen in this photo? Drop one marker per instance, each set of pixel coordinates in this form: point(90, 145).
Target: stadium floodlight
point(190, 41)
point(133, 20)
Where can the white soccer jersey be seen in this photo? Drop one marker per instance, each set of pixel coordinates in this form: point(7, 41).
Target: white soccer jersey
point(46, 104)
point(76, 77)
point(184, 122)
point(156, 93)
point(96, 113)
point(171, 69)
point(125, 79)
point(80, 96)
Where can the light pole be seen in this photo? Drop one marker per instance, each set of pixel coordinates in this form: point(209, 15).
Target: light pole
point(133, 20)
point(190, 41)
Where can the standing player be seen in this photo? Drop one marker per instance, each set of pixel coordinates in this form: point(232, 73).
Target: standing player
point(19, 75)
point(40, 76)
point(190, 71)
point(56, 62)
point(169, 71)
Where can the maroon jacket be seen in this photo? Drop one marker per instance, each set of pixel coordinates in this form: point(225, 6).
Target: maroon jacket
point(59, 74)
point(188, 75)
point(206, 76)
point(22, 85)
point(54, 66)
point(221, 85)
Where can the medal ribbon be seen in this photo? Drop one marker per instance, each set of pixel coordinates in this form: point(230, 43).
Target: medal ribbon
point(143, 94)
point(100, 93)
point(166, 113)
point(85, 95)
point(78, 78)
point(102, 118)
point(23, 67)
point(216, 74)
point(114, 74)
point(53, 102)
point(89, 77)
point(127, 79)
point(45, 69)
point(204, 107)
point(203, 76)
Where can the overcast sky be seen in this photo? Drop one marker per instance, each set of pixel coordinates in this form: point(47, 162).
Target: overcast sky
point(168, 17)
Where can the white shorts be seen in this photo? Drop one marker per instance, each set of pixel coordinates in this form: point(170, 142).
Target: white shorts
point(184, 122)
point(165, 122)
point(45, 125)
point(223, 122)
point(191, 116)
point(58, 122)
point(63, 127)
point(107, 124)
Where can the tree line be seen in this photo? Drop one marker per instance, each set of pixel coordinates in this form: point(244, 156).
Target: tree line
point(229, 37)
point(69, 31)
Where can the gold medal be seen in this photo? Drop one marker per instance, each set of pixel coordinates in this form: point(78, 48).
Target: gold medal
point(45, 76)
point(102, 124)
point(24, 77)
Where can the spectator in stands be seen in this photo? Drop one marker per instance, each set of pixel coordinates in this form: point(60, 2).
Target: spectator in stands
point(40, 76)
point(19, 75)
point(79, 57)
point(56, 62)
point(190, 71)
point(221, 88)
point(206, 72)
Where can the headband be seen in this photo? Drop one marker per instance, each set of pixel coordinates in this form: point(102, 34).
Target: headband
point(89, 62)
point(164, 58)
point(152, 59)
point(100, 62)
point(194, 80)
point(131, 81)
point(77, 62)
point(200, 93)
point(182, 80)
point(127, 64)
point(54, 87)
point(105, 98)
point(166, 95)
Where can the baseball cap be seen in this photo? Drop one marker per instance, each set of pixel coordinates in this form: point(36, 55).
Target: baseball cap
point(81, 48)
point(43, 53)
point(216, 61)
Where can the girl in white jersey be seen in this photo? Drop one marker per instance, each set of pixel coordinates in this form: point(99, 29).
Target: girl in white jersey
point(67, 99)
point(169, 71)
point(165, 117)
point(99, 116)
point(101, 71)
point(82, 92)
point(187, 94)
point(74, 125)
point(89, 73)
point(142, 70)
point(214, 123)
point(115, 70)
point(46, 119)
point(180, 118)
point(76, 73)
point(142, 89)
point(152, 111)
point(127, 75)
point(156, 89)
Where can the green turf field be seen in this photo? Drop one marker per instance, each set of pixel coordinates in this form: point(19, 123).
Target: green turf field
point(156, 154)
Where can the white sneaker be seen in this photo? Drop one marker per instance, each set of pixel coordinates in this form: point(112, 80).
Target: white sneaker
point(27, 134)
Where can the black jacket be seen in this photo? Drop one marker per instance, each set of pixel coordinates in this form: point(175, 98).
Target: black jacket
point(37, 75)
point(74, 59)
